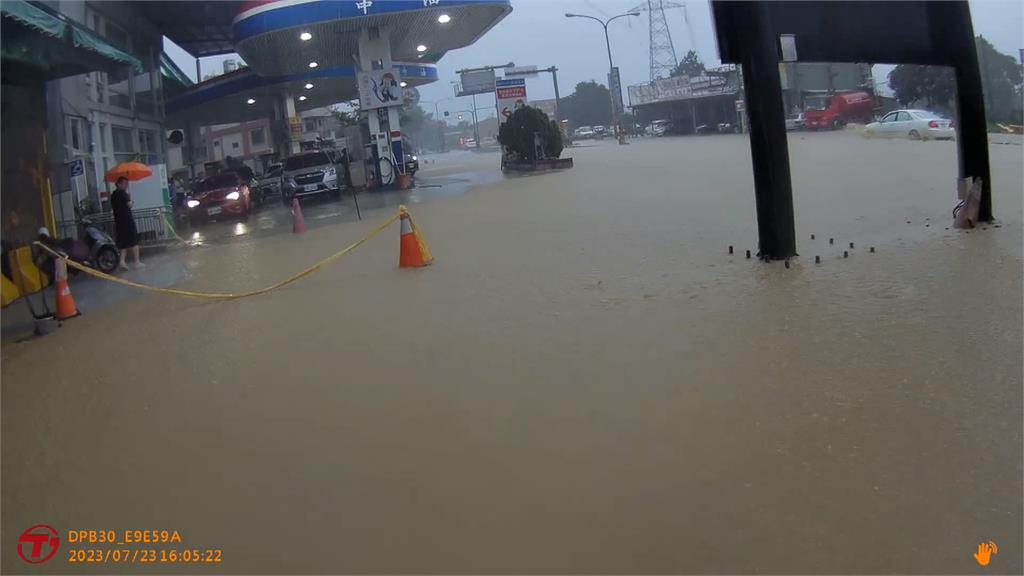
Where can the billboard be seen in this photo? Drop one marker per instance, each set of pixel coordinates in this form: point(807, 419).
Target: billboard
point(615, 86)
point(678, 88)
point(478, 82)
point(379, 89)
point(511, 94)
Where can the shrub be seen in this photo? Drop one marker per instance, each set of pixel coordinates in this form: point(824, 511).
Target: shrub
point(517, 132)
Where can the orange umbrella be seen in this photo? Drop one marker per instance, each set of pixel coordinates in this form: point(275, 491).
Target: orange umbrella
point(131, 170)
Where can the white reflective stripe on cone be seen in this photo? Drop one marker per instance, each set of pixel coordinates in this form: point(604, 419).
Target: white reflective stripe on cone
point(60, 270)
point(406, 226)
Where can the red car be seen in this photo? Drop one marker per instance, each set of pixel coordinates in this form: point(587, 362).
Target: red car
point(226, 194)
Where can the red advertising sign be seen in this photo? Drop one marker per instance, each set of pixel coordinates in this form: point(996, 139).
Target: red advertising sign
point(511, 93)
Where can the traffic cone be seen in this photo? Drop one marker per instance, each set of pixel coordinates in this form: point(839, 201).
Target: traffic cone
point(414, 250)
point(65, 303)
point(298, 223)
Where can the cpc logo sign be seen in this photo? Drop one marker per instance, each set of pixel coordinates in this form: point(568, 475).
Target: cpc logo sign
point(33, 541)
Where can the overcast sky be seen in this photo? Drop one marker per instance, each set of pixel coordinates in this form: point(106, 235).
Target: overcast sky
point(537, 32)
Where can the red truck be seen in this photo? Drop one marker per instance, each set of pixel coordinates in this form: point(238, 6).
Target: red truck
point(833, 111)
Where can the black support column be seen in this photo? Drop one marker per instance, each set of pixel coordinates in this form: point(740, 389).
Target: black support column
point(954, 20)
point(769, 149)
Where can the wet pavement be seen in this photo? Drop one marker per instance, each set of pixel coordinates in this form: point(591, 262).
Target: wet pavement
point(584, 381)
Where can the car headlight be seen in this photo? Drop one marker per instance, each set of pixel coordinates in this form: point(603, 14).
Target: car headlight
point(331, 171)
point(192, 203)
point(414, 157)
point(232, 196)
point(290, 182)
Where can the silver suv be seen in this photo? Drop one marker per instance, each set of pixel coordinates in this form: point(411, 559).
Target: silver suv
point(310, 173)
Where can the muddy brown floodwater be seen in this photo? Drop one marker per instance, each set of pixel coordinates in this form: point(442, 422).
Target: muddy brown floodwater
point(584, 381)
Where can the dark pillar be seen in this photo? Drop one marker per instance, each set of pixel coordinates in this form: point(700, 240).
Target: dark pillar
point(972, 130)
point(768, 145)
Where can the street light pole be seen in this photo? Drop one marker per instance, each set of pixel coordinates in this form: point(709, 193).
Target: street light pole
point(611, 67)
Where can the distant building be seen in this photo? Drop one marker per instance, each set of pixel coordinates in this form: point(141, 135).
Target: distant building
point(321, 128)
point(717, 97)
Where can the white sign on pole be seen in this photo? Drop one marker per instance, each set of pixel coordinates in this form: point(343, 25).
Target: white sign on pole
point(511, 94)
point(151, 191)
point(76, 176)
point(379, 89)
point(521, 71)
point(476, 82)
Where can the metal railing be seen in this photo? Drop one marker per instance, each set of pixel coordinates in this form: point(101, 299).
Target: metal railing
point(154, 225)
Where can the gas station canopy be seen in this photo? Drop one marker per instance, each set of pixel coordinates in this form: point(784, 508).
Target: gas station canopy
point(290, 44)
point(284, 37)
point(226, 98)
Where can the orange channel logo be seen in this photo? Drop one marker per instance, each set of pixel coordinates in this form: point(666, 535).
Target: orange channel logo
point(986, 550)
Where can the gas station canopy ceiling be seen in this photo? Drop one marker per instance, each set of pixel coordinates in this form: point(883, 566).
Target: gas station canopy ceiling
point(266, 32)
point(226, 98)
point(287, 44)
point(267, 36)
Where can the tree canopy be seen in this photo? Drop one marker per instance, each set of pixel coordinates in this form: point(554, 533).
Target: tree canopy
point(1001, 80)
point(588, 105)
point(691, 65)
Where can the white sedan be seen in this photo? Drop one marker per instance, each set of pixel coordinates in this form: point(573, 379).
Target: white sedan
point(913, 124)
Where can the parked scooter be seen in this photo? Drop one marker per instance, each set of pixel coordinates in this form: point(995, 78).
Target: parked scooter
point(94, 247)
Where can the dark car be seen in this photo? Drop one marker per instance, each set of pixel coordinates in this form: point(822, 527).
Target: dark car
point(412, 162)
point(226, 194)
point(270, 182)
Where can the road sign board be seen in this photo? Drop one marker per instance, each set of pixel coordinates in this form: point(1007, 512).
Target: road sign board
point(521, 71)
point(476, 82)
point(511, 94)
point(77, 168)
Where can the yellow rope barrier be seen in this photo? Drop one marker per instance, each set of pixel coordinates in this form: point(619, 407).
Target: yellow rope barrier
point(222, 295)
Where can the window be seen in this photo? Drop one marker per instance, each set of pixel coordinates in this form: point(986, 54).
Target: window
point(122, 140)
point(311, 125)
point(257, 137)
point(101, 87)
point(234, 145)
point(149, 146)
point(902, 117)
point(306, 161)
point(890, 117)
point(118, 88)
point(77, 135)
point(225, 180)
point(103, 138)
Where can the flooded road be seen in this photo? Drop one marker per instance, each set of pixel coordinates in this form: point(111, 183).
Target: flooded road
point(584, 381)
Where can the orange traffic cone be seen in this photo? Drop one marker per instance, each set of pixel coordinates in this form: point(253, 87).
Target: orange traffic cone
point(65, 303)
point(414, 250)
point(298, 223)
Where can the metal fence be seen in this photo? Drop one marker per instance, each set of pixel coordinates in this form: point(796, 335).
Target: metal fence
point(154, 225)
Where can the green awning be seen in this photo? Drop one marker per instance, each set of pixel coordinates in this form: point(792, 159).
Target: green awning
point(48, 40)
point(83, 38)
point(33, 17)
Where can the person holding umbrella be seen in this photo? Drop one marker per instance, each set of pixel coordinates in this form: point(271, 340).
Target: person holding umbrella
point(125, 233)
